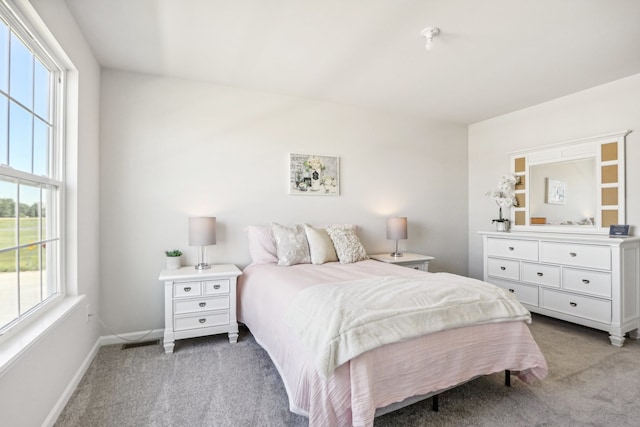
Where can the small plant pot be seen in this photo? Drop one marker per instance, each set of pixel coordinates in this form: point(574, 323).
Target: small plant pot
point(174, 262)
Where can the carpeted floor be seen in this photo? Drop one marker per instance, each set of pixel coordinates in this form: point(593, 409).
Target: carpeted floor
point(208, 382)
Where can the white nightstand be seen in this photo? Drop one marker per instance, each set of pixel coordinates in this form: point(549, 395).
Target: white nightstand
point(199, 302)
point(415, 261)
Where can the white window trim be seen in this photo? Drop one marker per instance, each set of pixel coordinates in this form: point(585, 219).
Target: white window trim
point(17, 339)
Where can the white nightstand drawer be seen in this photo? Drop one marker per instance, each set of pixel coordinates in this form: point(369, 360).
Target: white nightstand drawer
point(201, 304)
point(541, 274)
point(525, 294)
point(503, 268)
point(512, 248)
point(187, 289)
point(588, 282)
point(576, 305)
point(212, 287)
point(591, 256)
point(205, 320)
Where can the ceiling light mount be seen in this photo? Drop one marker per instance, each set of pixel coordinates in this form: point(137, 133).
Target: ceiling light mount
point(429, 33)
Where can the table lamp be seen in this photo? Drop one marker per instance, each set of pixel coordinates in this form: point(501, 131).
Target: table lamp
point(397, 230)
point(202, 232)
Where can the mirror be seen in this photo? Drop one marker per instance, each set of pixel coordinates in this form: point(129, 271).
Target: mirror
point(563, 193)
point(577, 186)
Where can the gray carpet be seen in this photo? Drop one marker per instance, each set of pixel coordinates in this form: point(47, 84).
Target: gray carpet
point(208, 382)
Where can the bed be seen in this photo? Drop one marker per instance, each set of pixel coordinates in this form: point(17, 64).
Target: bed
point(379, 379)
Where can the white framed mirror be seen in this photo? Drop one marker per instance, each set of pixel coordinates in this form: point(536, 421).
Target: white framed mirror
point(576, 187)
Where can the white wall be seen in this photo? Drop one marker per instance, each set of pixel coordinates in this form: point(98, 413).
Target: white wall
point(172, 148)
point(604, 109)
point(31, 388)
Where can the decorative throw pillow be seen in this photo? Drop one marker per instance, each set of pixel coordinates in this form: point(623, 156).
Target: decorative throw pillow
point(291, 244)
point(320, 245)
point(347, 244)
point(262, 247)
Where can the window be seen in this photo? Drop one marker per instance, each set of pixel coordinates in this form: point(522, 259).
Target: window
point(31, 183)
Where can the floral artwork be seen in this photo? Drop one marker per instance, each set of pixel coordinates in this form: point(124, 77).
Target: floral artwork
point(314, 175)
point(505, 194)
point(556, 191)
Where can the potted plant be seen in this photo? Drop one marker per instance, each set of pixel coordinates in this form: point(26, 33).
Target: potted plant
point(504, 196)
point(173, 259)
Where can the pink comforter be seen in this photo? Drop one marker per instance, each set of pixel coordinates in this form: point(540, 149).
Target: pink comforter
point(382, 376)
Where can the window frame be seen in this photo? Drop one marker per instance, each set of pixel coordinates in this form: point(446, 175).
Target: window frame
point(52, 59)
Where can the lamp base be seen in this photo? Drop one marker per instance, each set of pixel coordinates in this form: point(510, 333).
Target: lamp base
point(203, 266)
point(396, 254)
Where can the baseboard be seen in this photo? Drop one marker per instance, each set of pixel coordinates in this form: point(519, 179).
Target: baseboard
point(71, 387)
point(131, 337)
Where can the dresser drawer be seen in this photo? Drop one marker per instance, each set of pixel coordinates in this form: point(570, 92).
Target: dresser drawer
point(205, 320)
point(591, 256)
point(201, 304)
point(588, 282)
point(576, 305)
point(187, 289)
point(526, 294)
point(540, 274)
point(213, 287)
point(512, 248)
point(503, 268)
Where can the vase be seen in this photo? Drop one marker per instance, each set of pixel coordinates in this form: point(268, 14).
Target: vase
point(502, 225)
point(315, 181)
point(173, 262)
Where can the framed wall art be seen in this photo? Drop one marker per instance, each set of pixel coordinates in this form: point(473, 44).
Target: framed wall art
point(314, 175)
point(556, 191)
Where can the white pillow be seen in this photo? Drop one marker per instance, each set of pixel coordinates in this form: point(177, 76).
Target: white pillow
point(291, 244)
point(320, 245)
point(348, 246)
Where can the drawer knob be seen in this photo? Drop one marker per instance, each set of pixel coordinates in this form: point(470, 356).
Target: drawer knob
point(216, 286)
point(540, 274)
point(585, 281)
point(511, 248)
point(512, 291)
point(503, 268)
point(202, 304)
point(573, 304)
point(573, 254)
point(187, 289)
point(202, 320)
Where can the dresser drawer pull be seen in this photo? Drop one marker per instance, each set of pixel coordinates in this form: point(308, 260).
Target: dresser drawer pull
point(202, 304)
point(512, 291)
point(573, 304)
point(503, 268)
point(573, 254)
point(540, 274)
point(187, 289)
point(511, 248)
point(202, 320)
point(216, 286)
point(585, 281)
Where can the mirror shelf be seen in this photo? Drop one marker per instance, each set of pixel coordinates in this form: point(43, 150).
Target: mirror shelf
point(572, 187)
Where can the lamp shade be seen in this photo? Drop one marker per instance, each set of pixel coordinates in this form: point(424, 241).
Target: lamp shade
point(397, 228)
point(202, 231)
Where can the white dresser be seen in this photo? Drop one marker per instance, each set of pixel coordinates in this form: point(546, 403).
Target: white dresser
point(199, 302)
point(591, 280)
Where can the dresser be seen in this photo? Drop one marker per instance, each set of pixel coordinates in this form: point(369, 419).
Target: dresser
point(408, 259)
point(592, 280)
point(199, 302)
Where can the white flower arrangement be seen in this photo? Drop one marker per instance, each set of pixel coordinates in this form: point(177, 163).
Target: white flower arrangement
point(505, 194)
point(314, 164)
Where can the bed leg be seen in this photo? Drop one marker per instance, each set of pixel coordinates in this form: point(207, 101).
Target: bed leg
point(507, 378)
point(434, 403)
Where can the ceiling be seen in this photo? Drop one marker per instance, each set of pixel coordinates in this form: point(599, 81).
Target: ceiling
point(491, 57)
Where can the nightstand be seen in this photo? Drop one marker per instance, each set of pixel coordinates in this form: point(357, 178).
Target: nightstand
point(415, 261)
point(199, 302)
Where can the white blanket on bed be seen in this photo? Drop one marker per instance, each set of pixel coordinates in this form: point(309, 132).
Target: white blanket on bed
point(340, 321)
